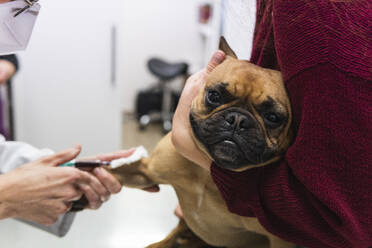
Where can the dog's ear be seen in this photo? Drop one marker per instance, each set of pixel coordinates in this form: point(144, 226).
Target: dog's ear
point(224, 46)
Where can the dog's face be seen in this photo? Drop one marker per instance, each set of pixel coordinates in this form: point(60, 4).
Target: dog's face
point(242, 117)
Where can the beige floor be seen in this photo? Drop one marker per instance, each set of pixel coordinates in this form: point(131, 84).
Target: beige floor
point(132, 136)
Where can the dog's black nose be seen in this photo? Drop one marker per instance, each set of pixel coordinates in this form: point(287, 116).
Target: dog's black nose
point(238, 120)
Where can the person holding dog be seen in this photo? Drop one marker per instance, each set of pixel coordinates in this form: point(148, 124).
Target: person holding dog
point(319, 194)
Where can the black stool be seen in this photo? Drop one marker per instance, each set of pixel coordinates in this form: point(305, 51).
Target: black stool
point(165, 72)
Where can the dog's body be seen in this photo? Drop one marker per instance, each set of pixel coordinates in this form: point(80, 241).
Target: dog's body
point(204, 210)
point(240, 120)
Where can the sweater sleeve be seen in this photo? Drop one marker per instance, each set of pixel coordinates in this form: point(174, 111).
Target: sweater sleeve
point(320, 194)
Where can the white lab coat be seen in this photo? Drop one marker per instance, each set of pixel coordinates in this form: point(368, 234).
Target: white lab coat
point(14, 154)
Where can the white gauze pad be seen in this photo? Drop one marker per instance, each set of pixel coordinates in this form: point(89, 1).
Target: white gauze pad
point(139, 153)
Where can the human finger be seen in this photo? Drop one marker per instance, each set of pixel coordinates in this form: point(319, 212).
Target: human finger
point(92, 197)
point(71, 193)
point(217, 58)
point(108, 180)
point(61, 157)
point(113, 155)
point(99, 188)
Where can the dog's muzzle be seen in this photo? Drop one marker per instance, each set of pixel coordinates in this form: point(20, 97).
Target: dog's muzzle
point(233, 138)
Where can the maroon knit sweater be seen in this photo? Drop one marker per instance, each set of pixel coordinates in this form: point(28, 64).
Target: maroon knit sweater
point(320, 194)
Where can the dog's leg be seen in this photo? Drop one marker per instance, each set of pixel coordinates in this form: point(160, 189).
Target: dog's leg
point(181, 237)
point(163, 166)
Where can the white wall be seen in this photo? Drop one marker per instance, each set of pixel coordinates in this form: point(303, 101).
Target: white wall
point(169, 29)
point(69, 53)
point(63, 94)
point(164, 28)
point(238, 27)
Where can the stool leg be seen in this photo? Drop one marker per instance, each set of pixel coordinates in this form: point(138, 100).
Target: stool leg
point(166, 108)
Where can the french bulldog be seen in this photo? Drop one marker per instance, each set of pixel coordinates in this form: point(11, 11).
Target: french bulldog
point(241, 119)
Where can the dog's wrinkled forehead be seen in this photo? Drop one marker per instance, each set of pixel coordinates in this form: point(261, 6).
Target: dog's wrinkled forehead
point(248, 82)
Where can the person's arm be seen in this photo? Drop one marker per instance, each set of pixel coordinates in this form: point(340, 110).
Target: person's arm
point(319, 194)
point(23, 186)
point(13, 154)
point(52, 187)
point(27, 191)
point(8, 67)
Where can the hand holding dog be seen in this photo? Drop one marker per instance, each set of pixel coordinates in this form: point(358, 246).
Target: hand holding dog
point(181, 137)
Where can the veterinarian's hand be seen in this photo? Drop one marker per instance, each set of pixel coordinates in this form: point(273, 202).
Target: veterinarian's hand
point(111, 184)
point(7, 70)
point(110, 181)
point(41, 191)
point(181, 136)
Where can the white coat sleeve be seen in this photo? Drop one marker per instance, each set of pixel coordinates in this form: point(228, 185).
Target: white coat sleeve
point(14, 154)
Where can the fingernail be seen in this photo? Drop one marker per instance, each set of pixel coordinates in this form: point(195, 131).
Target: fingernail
point(105, 198)
point(77, 147)
point(218, 57)
point(132, 149)
point(117, 190)
point(96, 205)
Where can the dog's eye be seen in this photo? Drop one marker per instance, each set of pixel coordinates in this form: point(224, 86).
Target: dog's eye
point(214, 97)
point(272, 120)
